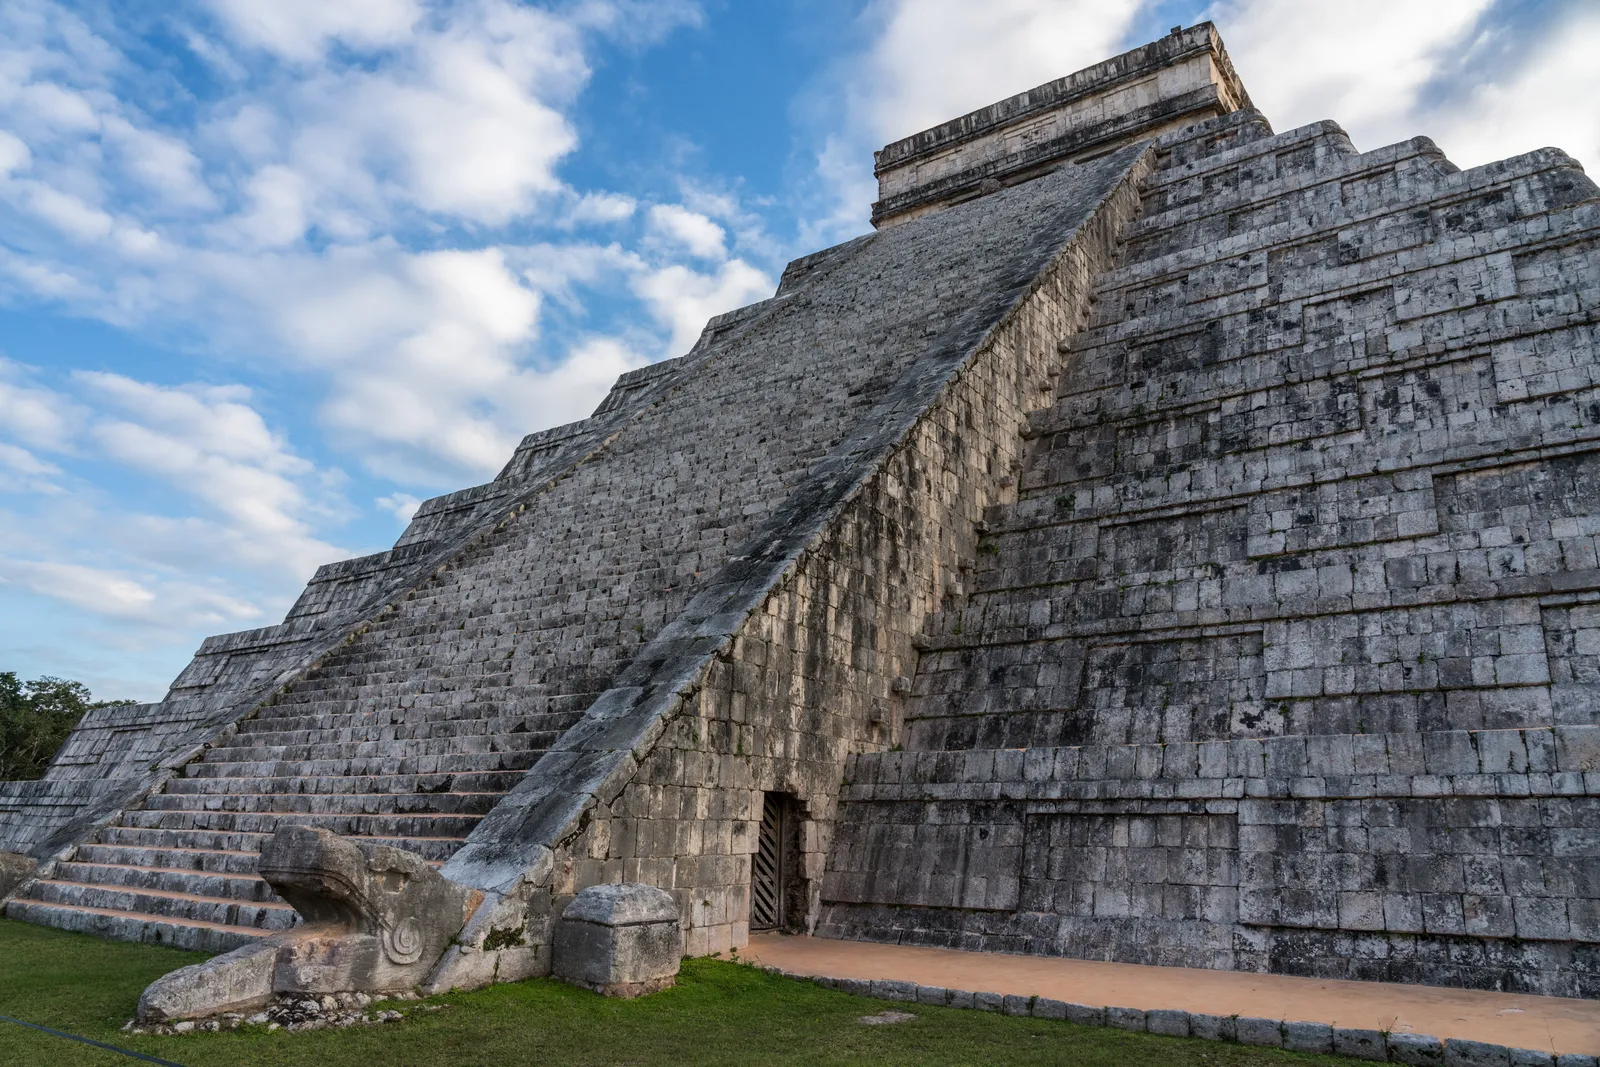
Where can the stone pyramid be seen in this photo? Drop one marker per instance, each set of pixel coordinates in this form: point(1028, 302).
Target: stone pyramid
point(1162, 540)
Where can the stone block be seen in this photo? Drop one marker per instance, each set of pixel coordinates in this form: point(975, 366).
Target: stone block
point(988, 1001)
point(1461, 1053)
point(1167, 1021)
point(1416, 1050)
point(1576, 1059)
point(238, 981)
point(888, 989)
point(1046, 1008)
point(1360, 1044)
point(1212, 1027)
point(1529, 1057)
point(1125, 1018)
point(621, 940)
point(1265, 1032)
point(1015, 1005)
point(1085, 1015)
point(933, 994)
point(1307, 1037)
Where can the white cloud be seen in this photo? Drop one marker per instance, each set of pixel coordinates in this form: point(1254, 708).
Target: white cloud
point(97, 590)
point(933, 60)
point(683, 299)
point(33, 415)
point(1547, 99)
point(14, 154)
point(301, 29)
point(283, 224)
point(601, 208)
point(689, 230)
point(402, 505)
point(1363, 63)
point(23, 472)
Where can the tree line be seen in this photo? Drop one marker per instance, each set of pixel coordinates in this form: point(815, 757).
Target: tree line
point(35, 719)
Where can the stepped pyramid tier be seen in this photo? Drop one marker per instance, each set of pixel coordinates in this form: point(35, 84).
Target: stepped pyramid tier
point(1162, 540)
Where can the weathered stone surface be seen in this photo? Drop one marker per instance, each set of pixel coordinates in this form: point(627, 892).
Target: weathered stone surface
point(1182, 556)
point(1265, 1032)
point(623, 940)
point(14, 870)
point(1167, 1021)
point(376, 918)
point(238, 981)
point(1360, 1044)
point(1417, 1050)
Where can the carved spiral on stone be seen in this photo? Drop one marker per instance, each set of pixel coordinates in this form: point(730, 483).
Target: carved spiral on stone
point(402, 942)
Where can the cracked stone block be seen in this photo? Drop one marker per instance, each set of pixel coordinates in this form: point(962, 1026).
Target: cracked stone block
point(620, 940)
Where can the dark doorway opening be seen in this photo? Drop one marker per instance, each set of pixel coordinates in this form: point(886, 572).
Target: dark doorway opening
point(777, 885)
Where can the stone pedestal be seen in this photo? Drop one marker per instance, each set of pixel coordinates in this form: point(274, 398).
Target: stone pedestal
point(619, 940)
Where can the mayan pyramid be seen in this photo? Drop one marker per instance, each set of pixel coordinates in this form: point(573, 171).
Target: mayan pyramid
point(1162, 540)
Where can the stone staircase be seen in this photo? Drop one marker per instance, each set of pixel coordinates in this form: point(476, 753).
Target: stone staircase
point(181, 869)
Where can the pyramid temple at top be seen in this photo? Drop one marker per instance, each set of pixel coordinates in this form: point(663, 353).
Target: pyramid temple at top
point(1161, 540)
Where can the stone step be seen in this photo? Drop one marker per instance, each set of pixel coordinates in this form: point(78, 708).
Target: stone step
point(222, 911)
point(429, 847)
point(327, 803)
point(241, 886)
point(215, 861)
point(415, 824)
point(121, 925)
point(338, 696)
point(467, 782)
point(312, 744)
point(429, 722)
point(380, 765)
point(244, 752)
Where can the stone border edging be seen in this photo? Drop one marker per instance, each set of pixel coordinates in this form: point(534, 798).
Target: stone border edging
point(1415, 1050)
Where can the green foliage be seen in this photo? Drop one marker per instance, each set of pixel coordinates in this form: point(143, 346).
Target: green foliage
point(35, 718)
point(720, 1014)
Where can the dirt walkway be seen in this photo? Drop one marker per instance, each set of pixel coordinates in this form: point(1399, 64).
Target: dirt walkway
point(1552, 1024)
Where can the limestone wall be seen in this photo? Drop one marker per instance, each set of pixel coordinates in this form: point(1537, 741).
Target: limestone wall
point(1463, 857)
point(1324, 472)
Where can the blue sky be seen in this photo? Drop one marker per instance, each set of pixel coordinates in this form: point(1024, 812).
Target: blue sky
point(272, 273)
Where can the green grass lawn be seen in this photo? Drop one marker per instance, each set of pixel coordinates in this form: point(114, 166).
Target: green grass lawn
point(719, 1013)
